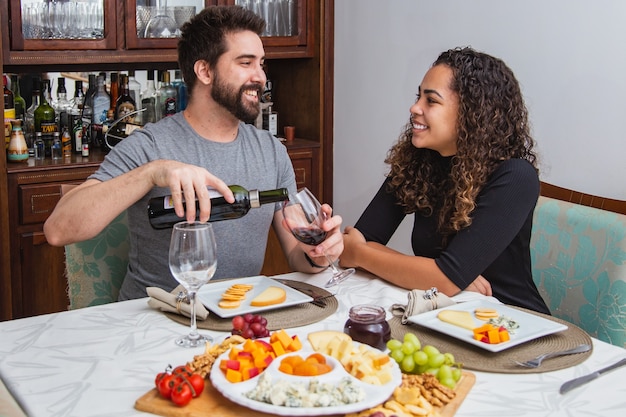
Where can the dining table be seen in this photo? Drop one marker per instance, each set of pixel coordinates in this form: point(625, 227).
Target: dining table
point(97, 361)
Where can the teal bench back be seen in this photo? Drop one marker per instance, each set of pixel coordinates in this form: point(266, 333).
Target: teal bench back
point(578, 258)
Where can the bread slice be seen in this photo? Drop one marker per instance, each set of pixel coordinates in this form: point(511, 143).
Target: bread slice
point(458, 318)
point(269, 296)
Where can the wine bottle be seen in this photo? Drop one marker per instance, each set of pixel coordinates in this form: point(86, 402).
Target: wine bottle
point(161, 209)
point(18, 100)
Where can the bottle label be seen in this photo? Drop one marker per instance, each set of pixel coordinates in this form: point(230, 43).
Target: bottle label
point(85, 149)
point(168, 201)
point(169, 107)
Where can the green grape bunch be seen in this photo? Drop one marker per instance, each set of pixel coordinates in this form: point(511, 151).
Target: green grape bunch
point(413, 358)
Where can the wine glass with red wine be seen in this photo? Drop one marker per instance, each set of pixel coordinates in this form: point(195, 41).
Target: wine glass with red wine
point(304, 217)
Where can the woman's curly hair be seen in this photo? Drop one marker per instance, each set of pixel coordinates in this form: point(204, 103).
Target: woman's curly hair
point(492, 127)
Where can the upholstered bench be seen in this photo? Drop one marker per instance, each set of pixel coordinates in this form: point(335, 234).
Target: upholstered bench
point(579, 265)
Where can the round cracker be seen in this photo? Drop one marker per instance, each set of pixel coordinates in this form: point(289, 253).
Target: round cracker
point(228, 304)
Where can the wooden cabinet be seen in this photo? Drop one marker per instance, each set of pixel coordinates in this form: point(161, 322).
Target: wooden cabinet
point(300, 66)
point(38, 284)
point(120, 43)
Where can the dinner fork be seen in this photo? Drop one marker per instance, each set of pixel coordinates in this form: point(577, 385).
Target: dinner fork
point(534, 363)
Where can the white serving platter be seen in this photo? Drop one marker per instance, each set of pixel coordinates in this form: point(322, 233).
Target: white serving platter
point(211, 293)
point(530, 326)
point(374, 394)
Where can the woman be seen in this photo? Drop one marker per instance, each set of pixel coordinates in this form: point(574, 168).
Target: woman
point(466, 168)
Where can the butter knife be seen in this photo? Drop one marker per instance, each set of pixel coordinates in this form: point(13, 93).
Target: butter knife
point(581, 380)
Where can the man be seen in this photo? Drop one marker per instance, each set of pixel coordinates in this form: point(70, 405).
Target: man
point(207, 145)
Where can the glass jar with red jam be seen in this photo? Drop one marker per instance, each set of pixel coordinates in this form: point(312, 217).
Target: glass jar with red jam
point(367, 325)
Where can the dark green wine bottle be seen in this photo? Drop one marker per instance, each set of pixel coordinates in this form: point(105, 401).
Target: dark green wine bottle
point(161, 209)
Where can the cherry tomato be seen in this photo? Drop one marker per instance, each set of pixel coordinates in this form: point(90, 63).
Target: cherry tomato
point(182, 392)
point(165, 385)
point(182, 370)
point(197, 382)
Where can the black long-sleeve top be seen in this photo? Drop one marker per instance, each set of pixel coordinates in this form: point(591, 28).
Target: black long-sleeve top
point(496, 244)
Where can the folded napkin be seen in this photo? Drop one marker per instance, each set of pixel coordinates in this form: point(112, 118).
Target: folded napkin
point(421, 301)
point(175, 302)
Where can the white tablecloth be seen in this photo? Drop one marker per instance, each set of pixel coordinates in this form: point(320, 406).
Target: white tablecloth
point(97, 361)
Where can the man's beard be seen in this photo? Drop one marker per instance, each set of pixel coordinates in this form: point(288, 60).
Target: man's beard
point(234, 101)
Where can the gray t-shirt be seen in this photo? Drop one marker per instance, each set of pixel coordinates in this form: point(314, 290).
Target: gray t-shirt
point(254, 160)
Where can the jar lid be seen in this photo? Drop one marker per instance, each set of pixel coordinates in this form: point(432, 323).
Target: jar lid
point(367, 313)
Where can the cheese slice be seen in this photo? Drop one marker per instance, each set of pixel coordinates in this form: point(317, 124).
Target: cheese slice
point(269, 296)
point(458, 318)
point(321, 340)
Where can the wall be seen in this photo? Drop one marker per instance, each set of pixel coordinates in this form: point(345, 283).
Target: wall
point(567, 54)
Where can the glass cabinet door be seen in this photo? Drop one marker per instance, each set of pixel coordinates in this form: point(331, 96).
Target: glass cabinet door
point(157, 23)
point(62, 24)
point(285, 20)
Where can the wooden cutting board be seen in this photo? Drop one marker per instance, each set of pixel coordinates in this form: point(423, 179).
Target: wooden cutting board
point(212, 403)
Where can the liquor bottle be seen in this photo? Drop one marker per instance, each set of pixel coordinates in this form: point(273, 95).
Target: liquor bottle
point(18, 151)
point(168, 97)
point(29, 118)
point(149, 100)
point(181, 90)
point(87, 114)
point(134, 88)
point(45, 117)
point(9, 111)
point(270, 121)
point(101, 104)
point(78, 132)
point(79, 96)
point(57, 147)
point(114, 92)
point(161, 209)
point(39, 146)
point(9, 104)
point(125, 103)
point(66, 143)
point(18, 100)
point(62, 104)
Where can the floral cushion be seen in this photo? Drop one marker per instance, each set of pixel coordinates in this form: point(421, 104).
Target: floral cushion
point(579, 265)
point(95, 268)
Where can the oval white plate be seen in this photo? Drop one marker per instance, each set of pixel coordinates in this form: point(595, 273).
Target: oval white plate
point(374, 394)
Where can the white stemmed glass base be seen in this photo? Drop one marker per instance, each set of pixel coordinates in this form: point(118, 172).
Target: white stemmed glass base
point(193, 339)
point(338, 275)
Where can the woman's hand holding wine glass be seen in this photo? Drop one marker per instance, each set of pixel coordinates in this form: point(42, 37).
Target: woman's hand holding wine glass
point(193, 261)
point(304, 217)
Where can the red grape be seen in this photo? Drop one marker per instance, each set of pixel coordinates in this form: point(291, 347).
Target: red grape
point(238, 323)
point(248, 317)
point(247, 334)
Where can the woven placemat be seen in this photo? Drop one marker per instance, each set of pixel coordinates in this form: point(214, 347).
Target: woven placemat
point(281, 318)
point(479, 359)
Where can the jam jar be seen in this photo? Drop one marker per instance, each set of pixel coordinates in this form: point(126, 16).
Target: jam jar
point(367, 325)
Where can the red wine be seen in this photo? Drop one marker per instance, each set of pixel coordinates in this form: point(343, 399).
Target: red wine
point(309, 235)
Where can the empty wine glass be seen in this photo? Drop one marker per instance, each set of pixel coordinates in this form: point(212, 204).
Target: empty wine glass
point(193, 261)
point(162, 25)
point(304, 217)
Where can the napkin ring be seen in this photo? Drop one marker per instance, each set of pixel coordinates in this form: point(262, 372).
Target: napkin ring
point(430, 294)
point(180, 298)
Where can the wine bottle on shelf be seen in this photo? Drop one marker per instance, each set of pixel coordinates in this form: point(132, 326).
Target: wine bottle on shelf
point(162, 216)
point(18, 100)
point(45, 117)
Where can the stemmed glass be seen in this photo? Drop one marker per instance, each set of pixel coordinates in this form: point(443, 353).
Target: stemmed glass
point(193, 261)
point(304, 217)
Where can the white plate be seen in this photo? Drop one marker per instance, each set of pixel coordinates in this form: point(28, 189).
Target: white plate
point(530, 326)
point(374, 394)
point(211, 293)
